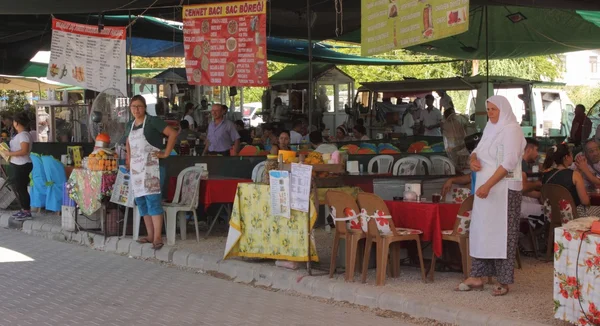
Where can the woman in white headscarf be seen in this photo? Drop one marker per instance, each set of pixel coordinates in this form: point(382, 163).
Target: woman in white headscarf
point(494, 228)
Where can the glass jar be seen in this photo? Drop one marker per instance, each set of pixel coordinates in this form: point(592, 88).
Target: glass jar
point(270, 164)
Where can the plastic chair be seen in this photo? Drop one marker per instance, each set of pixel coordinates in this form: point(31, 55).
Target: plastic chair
point(258, 171)
point(384, 163)
point(339, 201)
point(186, 199)
point(39, 190)
point(371, 204)
point(56, 176)
point(442, 165)
point(406, 166)
point(460, 235)
point(554, 196)
point(425, 166)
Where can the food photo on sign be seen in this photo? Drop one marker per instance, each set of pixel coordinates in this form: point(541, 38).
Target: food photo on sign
point(225, 44)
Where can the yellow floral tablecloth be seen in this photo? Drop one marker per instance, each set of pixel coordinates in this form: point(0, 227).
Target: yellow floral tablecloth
point(255, 233)
point(577, 281)
point(352, 191)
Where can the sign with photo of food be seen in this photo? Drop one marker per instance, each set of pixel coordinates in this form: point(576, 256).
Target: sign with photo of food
point(395, 24)
point(225, 43)
point(81, 55)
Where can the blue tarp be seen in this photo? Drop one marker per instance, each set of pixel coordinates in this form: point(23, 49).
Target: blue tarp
point(55, 173)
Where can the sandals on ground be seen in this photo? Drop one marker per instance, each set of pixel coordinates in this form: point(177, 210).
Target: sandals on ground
point(157, 246)
point(143, 240)
point(463, 287)
point(500, 290)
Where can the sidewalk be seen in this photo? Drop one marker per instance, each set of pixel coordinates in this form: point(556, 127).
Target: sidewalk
point(267, 275)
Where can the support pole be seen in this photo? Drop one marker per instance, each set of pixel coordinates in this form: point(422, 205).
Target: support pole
point(311, 91)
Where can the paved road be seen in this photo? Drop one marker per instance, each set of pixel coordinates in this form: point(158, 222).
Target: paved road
point(43, 282)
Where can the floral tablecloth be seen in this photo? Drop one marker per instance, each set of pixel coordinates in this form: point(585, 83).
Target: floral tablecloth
point(255, 233)
point(88, 188)
point(577, 280)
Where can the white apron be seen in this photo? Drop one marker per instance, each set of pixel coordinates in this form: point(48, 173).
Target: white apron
point(489, 219)
point(145, 171)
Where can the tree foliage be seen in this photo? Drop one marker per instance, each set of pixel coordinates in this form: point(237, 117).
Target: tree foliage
point(158, 62)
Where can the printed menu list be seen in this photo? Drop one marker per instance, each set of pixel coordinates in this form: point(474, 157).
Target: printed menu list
point(83, 56)
point(225, 44)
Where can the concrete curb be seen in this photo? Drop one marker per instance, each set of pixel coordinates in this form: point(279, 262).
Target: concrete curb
point(270, 276)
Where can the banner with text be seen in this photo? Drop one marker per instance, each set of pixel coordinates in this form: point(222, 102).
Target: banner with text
point(395, 24)
point(85, 57)
point(225, 44)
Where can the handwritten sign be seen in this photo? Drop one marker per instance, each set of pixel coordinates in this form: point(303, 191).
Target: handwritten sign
point(280, 193)
point(301, 186)
point(225, 44)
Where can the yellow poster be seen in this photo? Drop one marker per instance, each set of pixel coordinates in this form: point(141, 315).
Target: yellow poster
point(394, 24)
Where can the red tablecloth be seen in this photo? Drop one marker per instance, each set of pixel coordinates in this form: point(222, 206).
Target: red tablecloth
point(428, 217)
point(212, 191)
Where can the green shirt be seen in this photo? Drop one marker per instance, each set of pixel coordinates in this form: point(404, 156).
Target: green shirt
point(153, 131)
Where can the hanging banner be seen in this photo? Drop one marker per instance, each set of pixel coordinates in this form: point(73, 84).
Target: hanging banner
point(395, 24)
point(225, 44)
point(85, 57)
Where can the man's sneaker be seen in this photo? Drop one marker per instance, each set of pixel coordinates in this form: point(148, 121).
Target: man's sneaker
point(18, 214)
point(24, 216)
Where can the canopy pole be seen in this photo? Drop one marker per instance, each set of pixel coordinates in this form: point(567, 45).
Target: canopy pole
point(130, 74)
point(310, 110)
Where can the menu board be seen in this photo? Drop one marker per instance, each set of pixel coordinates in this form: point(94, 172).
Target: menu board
point(225, 44)
point(394, 24)
point(83, 56)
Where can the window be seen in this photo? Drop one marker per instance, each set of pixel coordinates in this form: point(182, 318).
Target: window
point(594, 64)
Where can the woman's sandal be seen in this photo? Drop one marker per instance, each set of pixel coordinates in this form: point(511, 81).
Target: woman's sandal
point(157, 246)
point(500, 290)
point(462, 287)
point(143, 240)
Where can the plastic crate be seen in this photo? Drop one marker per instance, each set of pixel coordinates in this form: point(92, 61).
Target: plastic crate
point(7, 196)
point(68, 216)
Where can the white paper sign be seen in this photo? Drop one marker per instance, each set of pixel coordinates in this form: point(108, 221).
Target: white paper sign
point(280, 193)
point(122, 193)
point(301, 181)
point(82, 56)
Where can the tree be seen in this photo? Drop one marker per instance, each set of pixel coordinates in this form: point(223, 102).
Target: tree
point(158, 62)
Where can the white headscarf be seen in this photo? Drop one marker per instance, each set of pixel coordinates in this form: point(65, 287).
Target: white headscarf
point(507, 122)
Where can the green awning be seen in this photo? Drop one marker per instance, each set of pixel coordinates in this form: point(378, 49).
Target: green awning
point(38, 69)
point(299, 73)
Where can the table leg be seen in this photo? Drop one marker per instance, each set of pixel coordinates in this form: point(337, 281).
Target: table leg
point(216, 218)
point(125, 221)
point(136, 224)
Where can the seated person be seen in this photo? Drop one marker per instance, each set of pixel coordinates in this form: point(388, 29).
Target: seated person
point(316, 141)
point(558, 160)
point(185, 133)
point(268, 139)
point(243, 132)
point(341, 134)
point(588, 164)
point(282, 144)
point(360, 133)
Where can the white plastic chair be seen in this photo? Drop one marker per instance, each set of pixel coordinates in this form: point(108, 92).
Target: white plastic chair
point(257, 172)
point(428, 169)
point(384, 163)
point(406, 166)
point(186, 199)
point(442, 165)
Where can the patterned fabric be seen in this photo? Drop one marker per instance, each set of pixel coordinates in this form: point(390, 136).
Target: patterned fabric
point(353, 221)
point(258, 234)
point(566, 211)
point(584, 211)
point(447, 232)
point(503, 269)
point(547, 210)
point(464, 223)
point(407, 231)
point(577, 280)
point(88, 188)
point(188, 189)
point(407, 168)
point(459, 195)
point(383, 222)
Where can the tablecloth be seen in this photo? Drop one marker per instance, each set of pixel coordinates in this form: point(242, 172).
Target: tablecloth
point(255, 233)
point(88, 188)
point(575, 279)
point(213, 190)
point(428, 217)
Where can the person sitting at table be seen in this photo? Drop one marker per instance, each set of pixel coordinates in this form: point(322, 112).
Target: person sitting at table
point(494, 237)
point(243, 132)
point(188, 115)
point(20, 163)
point(283, 143)
point(558, 160)
point(145, 149)
point(341, 134)
point(588, 164)
point(360, 133)
point(297, 132)
point(186, 134)
point(316, 141)
point(268, 138)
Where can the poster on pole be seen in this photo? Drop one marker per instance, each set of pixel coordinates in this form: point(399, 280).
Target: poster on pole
point(300, 187)
point(396, 24)
point(81, 55)
point(280, 193)
point(225, 44)
point(122, 192)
